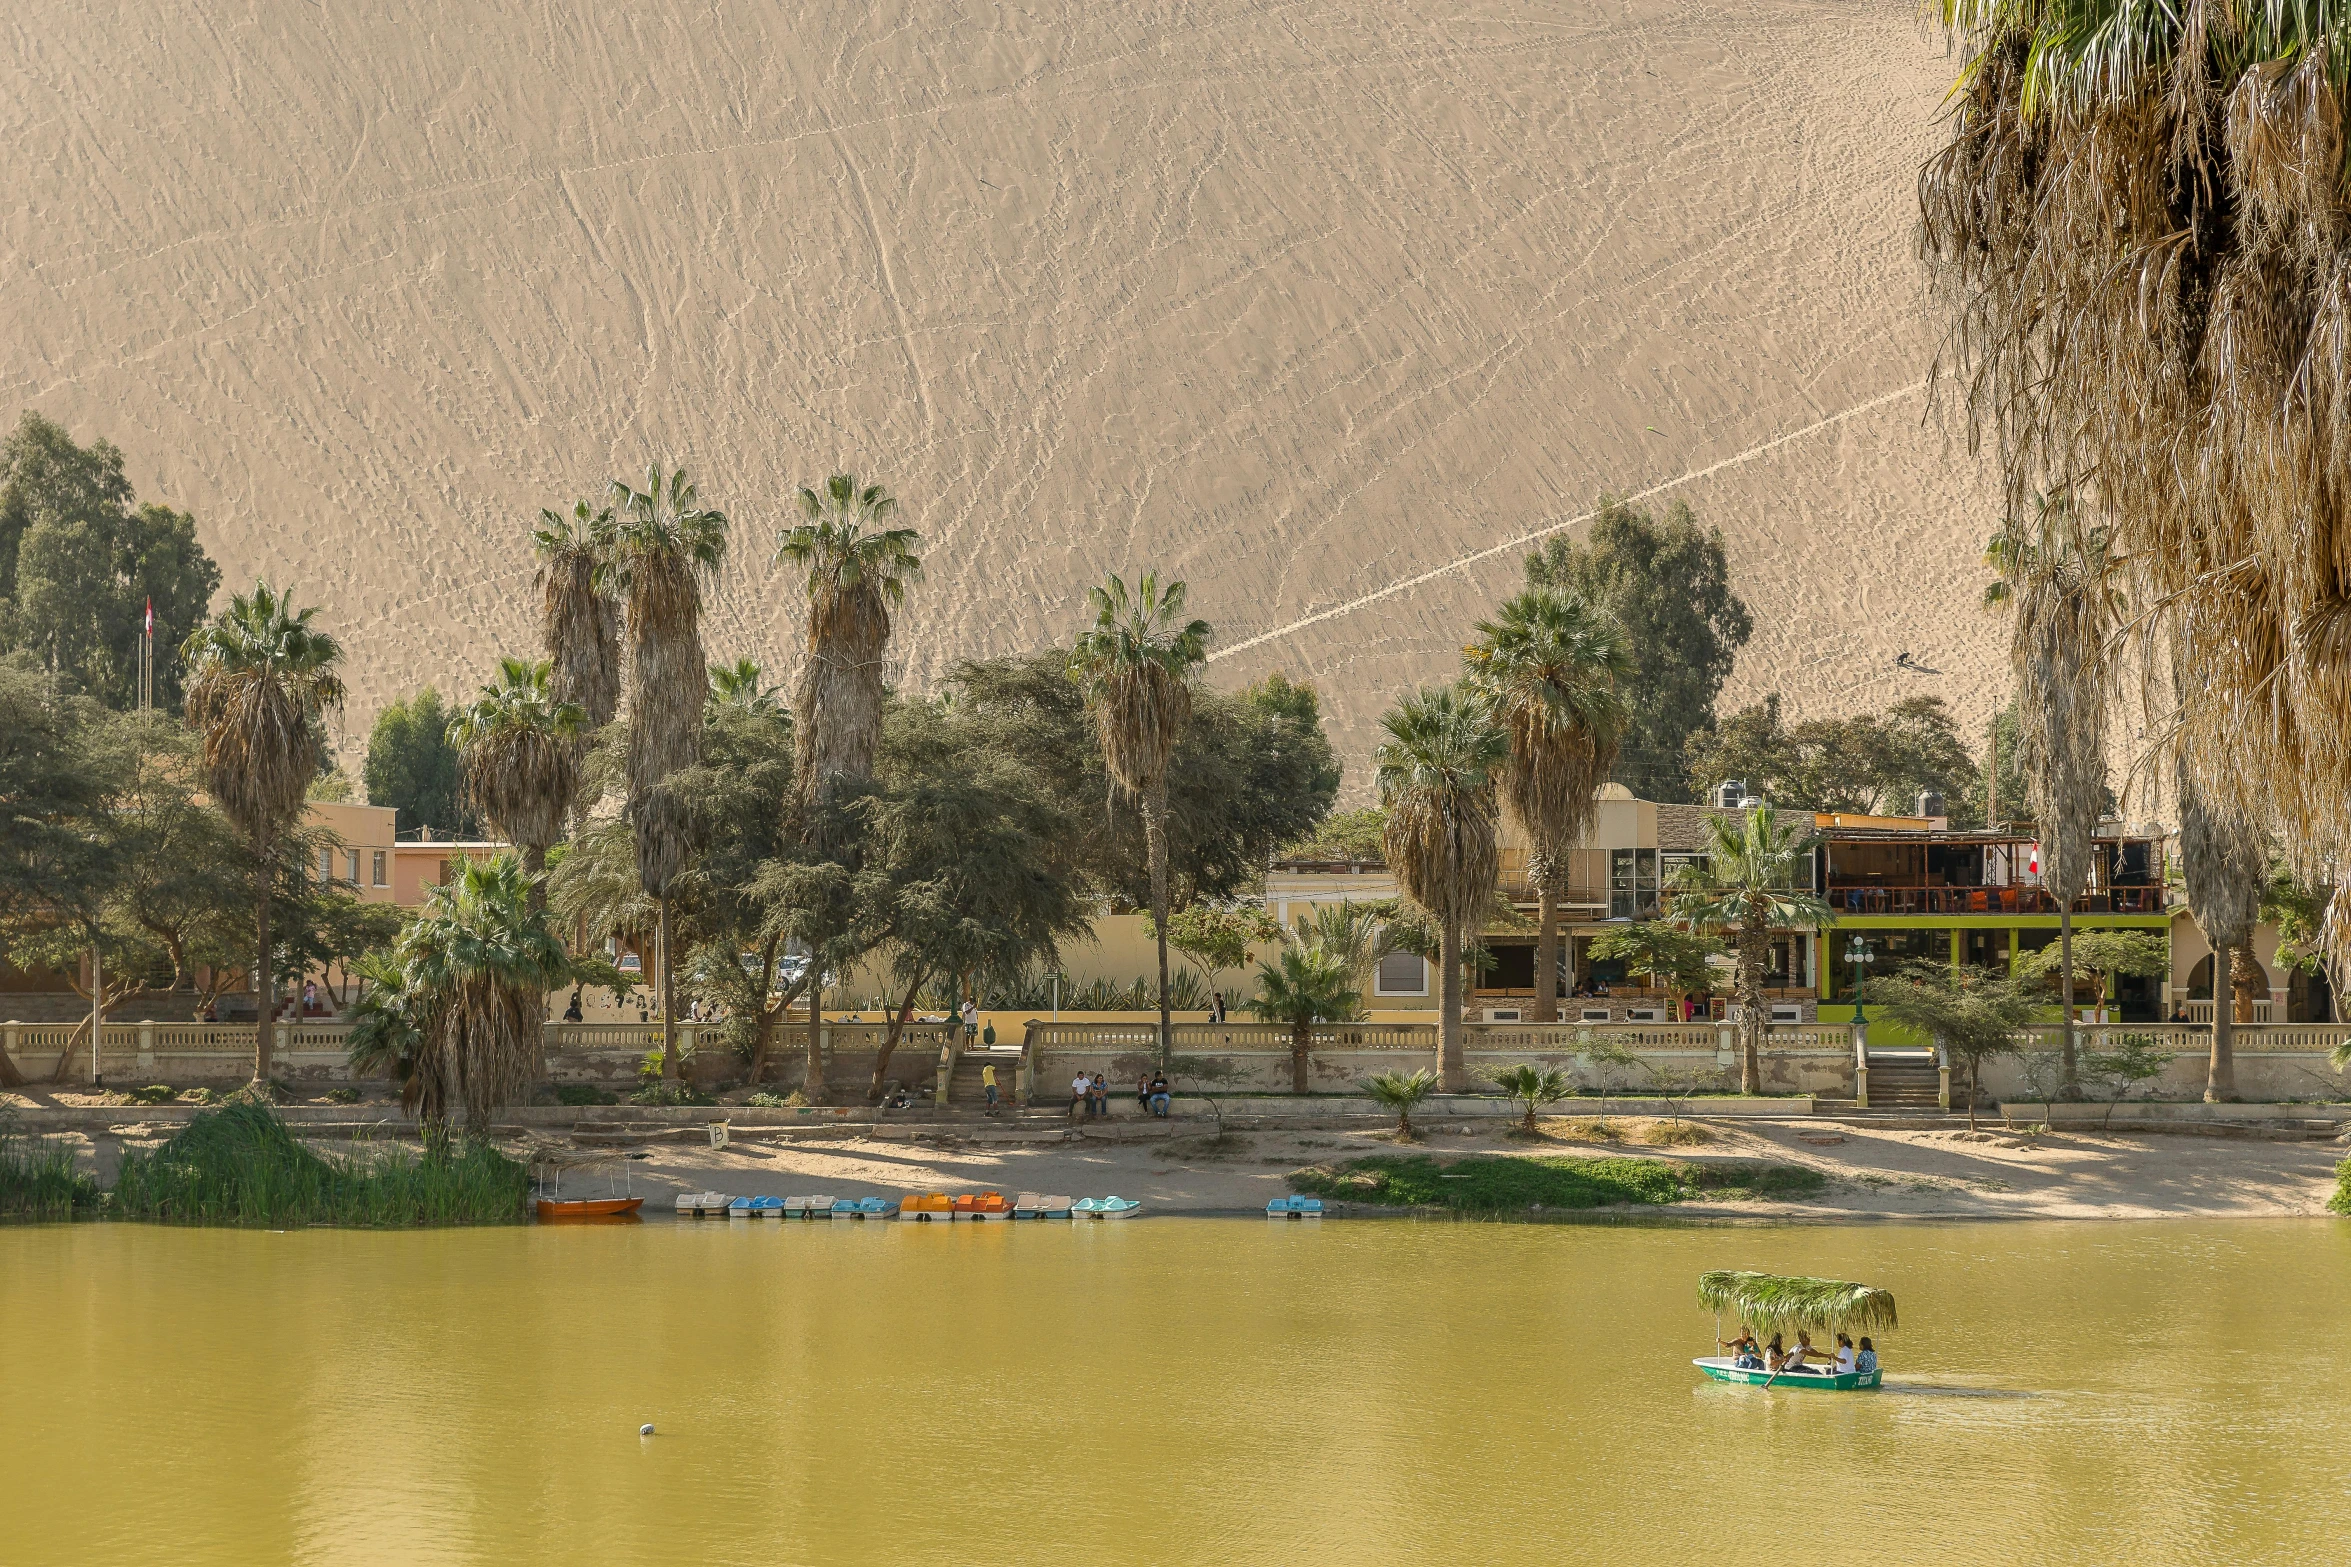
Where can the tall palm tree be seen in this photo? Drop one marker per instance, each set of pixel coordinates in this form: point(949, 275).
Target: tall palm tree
point(458, 1011)
point(579, 623)
point(2063, 587)
point(2136, 233)
point(2227, 867)
point(1136, 663)
point(519, 749)
point(742, 684)
point(858, 570)
point(261, 678)
point(664, 545)
point(1551, 661)
point(1436, 774)
point(1748, 887)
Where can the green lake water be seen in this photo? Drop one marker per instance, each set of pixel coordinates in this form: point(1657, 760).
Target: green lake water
point(1162, 1391)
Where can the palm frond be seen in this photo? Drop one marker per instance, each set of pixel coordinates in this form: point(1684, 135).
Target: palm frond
point(1771, 1302)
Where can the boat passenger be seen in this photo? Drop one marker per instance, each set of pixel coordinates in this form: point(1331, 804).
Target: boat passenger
point(1746, 1354)
point(1844, 1354)
point(1774, 1357)
point(1867, 1360)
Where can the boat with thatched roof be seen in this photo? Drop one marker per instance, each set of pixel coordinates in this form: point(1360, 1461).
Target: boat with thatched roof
point(1777, 1303)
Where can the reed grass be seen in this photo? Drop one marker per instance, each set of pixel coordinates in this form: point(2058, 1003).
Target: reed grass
point(240, 1165)
point(37, 1177)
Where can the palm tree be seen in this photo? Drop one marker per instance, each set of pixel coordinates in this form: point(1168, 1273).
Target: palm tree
point(2134, 230)
point(1551, 661)
point(739, 684)
point(663, 544)
point(459, 1008)
point(1436, 772)
point(2062, 584)
point(260, 680)
point(2227, 868)
point(579, 624)
point(1748, 884)
point(520, 754)
point(1304, 986)
point(1401, 1092)
point(1534, 1085)
point(858, 570)
point(1136, 663)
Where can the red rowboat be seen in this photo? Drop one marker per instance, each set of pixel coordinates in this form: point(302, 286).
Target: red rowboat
point(552, 1209)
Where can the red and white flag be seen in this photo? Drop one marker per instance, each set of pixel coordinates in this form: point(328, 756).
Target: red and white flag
point(150, 617)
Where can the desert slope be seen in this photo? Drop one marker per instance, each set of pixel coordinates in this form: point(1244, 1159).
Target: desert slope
point(1301, 300)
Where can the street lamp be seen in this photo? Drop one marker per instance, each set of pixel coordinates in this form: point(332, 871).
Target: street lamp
point(1858, 958)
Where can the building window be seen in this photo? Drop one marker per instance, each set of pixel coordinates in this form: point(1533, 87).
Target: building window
point(326, 865)
point(351, 866)
point(1401, 974)
point(1632, 884)
point(377, 867)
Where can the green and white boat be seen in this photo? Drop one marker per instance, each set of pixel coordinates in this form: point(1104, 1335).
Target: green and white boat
point(1771, 1303)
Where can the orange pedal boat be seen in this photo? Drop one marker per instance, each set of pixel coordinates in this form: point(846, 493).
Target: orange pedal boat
point(982, 1205)
point(927, 1208)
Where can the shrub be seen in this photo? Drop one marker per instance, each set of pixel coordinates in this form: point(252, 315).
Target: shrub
point(38, 1179)
point(152, 1094)
point(584, 1094)
point(1401, 1092)
point(1771, 1182)
point(663, 1092)
point(343, 1096)
point(1675, 1134)
point(1491, 1184)
point(239, 1165)
point(764, 1100)
point(2341, 1201)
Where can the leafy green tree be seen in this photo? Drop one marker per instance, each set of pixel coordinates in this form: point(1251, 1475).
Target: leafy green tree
point(1664, 954)
point(2099, 956)
point(1343, 835)
point(1748, 885)
point(1970, 1016)
point(1669, 584)
point(2113, 1074)
point(1218, 936)
point(80, 563)
point(1874, 764)
point(1252, 771)
point(743, 684)
point(415, 767)
point(1303, 986)
point(261, 677)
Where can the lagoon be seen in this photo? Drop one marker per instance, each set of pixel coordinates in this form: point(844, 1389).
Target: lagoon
point(1161, 1392)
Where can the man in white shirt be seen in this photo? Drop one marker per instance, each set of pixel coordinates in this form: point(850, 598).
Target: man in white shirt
point(1078, 1088)
point(971, 1021)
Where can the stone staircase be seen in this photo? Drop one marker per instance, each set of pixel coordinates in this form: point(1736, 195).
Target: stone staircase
point(1908, 1081)
point(964, 1089)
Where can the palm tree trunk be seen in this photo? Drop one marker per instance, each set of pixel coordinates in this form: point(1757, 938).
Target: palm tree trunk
point(534, 864)
point(2071, 1089)
point(666, 998)
point(1753, 937)
point(1547, 946)
point(1155, 840)
point(1450, 1076)
point(1301, 1045)
point(265, 975)
point(2220, 1076)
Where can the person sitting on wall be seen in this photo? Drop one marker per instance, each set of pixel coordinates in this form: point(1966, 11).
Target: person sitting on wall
point(1158, 1099)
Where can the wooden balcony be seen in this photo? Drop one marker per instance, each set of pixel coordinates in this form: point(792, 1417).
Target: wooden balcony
point(1874, 899)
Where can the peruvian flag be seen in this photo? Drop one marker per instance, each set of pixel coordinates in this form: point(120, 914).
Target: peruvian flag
point(150, 617)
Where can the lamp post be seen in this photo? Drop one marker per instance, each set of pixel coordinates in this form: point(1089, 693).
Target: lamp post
point(1858, 957)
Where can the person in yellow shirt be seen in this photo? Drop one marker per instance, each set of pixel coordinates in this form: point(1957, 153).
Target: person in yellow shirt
point(988, 1082)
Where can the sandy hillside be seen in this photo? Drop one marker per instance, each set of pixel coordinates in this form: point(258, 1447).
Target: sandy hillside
point(1302, 300)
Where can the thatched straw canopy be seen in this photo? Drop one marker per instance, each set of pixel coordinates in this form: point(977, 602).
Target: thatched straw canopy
point(1771, 1301)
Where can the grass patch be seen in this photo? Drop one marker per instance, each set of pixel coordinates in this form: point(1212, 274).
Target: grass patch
point(152, 1094)
point(584, 1094)
point(1675, 1134)
point(1770, 1182)
point(239, 1165)
point(1487, 1184)
point(37, 1176)
point(763, 1100)
point(343, 1096)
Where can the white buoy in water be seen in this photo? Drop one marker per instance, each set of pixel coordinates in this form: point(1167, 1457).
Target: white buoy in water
point(645, 1430)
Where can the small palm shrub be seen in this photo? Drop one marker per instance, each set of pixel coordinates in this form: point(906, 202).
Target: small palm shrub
point(1534, 1086)
point(1401, 1092)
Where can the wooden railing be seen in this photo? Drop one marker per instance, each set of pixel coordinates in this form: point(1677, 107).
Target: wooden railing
point(1988, 900)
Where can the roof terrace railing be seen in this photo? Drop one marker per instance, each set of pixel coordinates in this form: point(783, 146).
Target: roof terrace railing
point(1989, 900)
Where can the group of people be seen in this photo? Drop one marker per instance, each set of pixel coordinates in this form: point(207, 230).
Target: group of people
point(1089, 1095)
point(1776, 1357)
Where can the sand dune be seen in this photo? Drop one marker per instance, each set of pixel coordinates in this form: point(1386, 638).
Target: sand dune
point(1304, 301)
